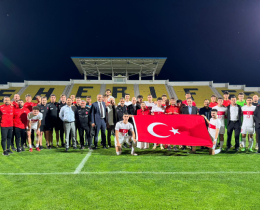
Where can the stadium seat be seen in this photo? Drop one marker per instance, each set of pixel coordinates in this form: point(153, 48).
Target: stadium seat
point(43, 90)
point(119, 91)
point(155, 90)
point(199, 93)
point(8, 92)
point(82, 91)
point(236, 92)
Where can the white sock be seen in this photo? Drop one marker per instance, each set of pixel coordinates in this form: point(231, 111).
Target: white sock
point(256, 145)
point(30, 146)
point(251, 141)
point(118, 153)
point(133, 150)
point(243, 142)
point(37, 145)
point(161, 145)
point(221, 144)
point(217, 151)
point(154, 144)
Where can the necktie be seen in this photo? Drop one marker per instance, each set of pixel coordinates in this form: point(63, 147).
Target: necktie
point(101, 110)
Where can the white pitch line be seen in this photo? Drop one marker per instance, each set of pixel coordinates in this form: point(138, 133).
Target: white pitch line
point(81, 165)
point(134, 172)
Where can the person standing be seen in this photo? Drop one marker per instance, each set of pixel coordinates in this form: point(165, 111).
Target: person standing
point(233, 122)
point(20, 125)
point(248, 124)
point(82, 118)
point(226, 101)
point(67, 115)
point(34, 123)
point(132, 109)
point(62, 103)
point(52, 121)
point(120, 110)
point(6, 114)
point(256, 103)
point(149, 103)
point(99, 120)
point(206, 110)
point(44, 110)
point(257, 126)
point(139, 99)
point(187, 96)
point(241, 101)
point(190, 109)
point(213, 101)
point(112, 120)
point(222, 110)
point(16, 106)
point(143, 111)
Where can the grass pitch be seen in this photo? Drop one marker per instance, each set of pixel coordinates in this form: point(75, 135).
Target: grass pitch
point(156, 179)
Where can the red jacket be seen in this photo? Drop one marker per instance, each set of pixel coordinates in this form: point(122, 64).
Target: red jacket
point(213, 104)
point(185, 102)
point(30, 105)
point(172, 109)
point(6, 113)
point(143, 112)
point(20, 117)
point(16, 106)
point(226, 103)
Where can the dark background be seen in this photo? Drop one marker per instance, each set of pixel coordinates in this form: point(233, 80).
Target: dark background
point(203, 40)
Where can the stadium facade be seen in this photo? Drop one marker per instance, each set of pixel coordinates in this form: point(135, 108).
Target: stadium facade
point(120, 70)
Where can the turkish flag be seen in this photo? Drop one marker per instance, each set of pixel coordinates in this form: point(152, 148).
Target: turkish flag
point(180, 129)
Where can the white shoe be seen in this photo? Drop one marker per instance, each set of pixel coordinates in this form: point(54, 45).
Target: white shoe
point(154, 147)
point(162, 148)
point(134, 154)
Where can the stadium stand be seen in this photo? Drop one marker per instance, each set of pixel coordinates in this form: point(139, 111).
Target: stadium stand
point(84, 90)
point(155, 90)
point(8, 92)
point(43, 90)
point(119, 91)
point(198, 93)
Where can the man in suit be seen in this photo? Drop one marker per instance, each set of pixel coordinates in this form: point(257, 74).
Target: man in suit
point(257, 126)
point(112, 117)
point(99, 119)
point(233, 122)
point(132, 109)
point(189, 109)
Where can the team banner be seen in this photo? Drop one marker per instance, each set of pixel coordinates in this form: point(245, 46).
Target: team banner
point(180, 129)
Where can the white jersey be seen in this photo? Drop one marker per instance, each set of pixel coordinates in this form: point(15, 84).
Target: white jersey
point(213, 125)
point(248, 114)
point(221, 113)
point(158, 110)
point(127, 103)
point(34, 120)
point(123, 128)
point(149, 105)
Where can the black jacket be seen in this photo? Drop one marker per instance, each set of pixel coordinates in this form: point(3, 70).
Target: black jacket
point(257, 117)
point(239, 114)
point(120, 110)
point(82, 117)
point(131, 111)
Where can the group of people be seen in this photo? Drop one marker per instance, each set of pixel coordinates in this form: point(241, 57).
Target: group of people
point(26, 122)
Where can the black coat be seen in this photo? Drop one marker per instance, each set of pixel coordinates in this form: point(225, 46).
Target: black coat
point(239, 114)
point(257, 117)
point(185, 110)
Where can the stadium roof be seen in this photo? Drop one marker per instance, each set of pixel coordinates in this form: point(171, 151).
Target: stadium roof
point(113, 66)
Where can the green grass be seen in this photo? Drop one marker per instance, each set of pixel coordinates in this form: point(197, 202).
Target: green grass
point(106, 181)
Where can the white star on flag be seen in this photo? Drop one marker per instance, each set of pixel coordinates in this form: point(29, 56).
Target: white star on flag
point(175, 131)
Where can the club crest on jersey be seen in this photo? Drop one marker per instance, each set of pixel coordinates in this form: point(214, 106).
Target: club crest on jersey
point(86, 112)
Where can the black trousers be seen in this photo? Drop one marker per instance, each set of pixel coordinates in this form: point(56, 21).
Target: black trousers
point(87, 136)
point(20, 137)
point(12, 140)
point(61, 133)
point(257, 130)
point(237, 128)
point(109, 131)
point(6, 133)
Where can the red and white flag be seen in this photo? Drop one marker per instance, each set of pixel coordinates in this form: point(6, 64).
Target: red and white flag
point(180, 129)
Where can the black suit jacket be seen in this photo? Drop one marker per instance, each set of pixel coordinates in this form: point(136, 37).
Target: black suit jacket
point(239, 114)
point(257, 117)
point(131, 111)
point(185, 110)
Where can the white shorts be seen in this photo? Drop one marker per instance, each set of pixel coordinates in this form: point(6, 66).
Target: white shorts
point(222, 129)
point(247, 129)
point(124, 139)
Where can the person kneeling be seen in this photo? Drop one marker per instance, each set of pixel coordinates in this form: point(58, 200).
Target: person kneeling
point(213, 129)
point(122, 128)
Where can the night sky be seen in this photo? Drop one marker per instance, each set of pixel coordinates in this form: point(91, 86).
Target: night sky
point(203, 40)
